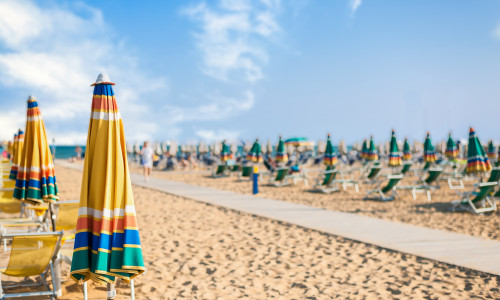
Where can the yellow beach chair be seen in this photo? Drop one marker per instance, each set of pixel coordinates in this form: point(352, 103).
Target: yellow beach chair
point(32, 255)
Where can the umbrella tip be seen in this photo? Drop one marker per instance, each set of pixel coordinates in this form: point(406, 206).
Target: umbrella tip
point(328, 134)
point(471, 130)
point(102, 78)
point(31, 97)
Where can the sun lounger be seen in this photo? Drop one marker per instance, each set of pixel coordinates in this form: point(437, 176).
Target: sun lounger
point(406, 167)
point(479, 201)
point(382, 192)
point(246, 173)
point(425, 185)
point(281, 178)
point(220, 171)
point(32, 255)
point(325, 185)
point(371, 174)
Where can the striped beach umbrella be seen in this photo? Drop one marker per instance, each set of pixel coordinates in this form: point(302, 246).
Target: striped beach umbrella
point(371, 152)
point(36, 179)
point(330, 157)
point(477, 160)
point(364, 149)
point(429, 153)
point(298, 142)
point(107, 241)
point(16, 156)
point(451, 148)
point(406, 150)
point(492, 153)
point(394, 154)
point(225, 153)
point(281, 155)
point(256, 152)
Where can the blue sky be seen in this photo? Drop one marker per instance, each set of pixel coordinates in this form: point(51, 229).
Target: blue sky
point(191, 70)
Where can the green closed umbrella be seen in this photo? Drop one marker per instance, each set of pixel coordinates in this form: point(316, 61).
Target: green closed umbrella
point(451, 148)
point(330, 157)
point(394, 154)
point(281, 155)
point(477, 161)
point(371, 153)
point(364, 149)
point(406, 150)
point(255, 154)
point(492, 154)
point(225, 153)
point(429, 152)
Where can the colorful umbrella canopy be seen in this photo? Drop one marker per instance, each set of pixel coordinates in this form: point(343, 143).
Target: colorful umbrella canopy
point(298, 141)
point(107, 243)
point(330, 157)
point(364, 149)
point(225, 153)
point(16, 151)
point(406, 150)
point(492, 154)
point(255, 152)
point(429, 153)
point(394, 155)
point(281, 155)
point(477, 161)
point(451, 148)
point(371, 152)
point(36, 179)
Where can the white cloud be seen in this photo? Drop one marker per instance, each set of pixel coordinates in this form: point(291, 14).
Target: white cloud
point(232, 36)
point(217, 135)
point(57, 52)
point(354, 5)
point(219, 108)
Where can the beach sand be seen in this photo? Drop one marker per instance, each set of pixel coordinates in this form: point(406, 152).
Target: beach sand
point(434, 214)
point(198, 251)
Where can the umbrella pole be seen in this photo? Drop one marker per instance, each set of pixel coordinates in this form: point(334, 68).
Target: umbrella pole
point(52, 217)
point(111, 291)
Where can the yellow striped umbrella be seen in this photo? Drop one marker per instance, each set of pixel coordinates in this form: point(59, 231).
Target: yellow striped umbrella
point(107, 243)
point(18, 149)
point(36, 180)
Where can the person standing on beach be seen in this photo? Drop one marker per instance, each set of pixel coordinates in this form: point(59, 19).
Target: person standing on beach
point(147, 160)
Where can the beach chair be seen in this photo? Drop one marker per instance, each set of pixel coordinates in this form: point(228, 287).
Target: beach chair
point(281, 178)
point(220, 171)
point(324, 185)
point(406, 167)
point(32, 255)
point(8, 204)
point(424, 185)
point(382, 192)
point(246, 173)
point(479, 201)
point(371, 174)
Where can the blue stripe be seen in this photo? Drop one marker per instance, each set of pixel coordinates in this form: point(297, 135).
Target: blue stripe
point(32, 104)
point(82, 239)
point(103, 89)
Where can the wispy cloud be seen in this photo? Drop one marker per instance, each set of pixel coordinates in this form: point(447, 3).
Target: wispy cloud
point(496, 32)
point(354, 5)
point(217, 135)
point(232, 36)
point(56, 52)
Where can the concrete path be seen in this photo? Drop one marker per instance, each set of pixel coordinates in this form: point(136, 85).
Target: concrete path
point(448, 247)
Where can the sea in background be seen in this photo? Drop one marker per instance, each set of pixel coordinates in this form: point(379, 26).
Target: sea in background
point(64, 152)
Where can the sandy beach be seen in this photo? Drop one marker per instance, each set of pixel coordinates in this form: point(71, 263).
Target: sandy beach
point(197, 251)
point(434, 214)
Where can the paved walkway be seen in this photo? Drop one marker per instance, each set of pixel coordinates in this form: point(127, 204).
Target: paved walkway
point(452, 248)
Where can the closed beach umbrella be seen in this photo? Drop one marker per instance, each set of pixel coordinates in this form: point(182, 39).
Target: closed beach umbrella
point(16, 157)
point(269, 148)
point(394, 154)
point(256, 152)
point(342, 148)
point(107, 241)
point(36, 179)
point(492, 154)
point(451, 148)
point(330, 157)
point(406, 150)
point(429, 153)
point(371, 152)
point(281, 155)
point(225, 153)
point(364, 149)
point(477, 161)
